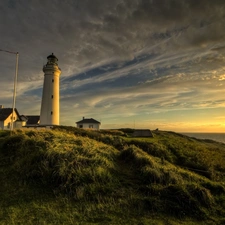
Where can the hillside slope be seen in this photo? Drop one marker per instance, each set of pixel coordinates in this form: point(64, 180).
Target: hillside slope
point(73, 176)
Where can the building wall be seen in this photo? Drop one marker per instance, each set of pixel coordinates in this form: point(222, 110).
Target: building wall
point(19, 124)
point(38, 127)
point(93, 126)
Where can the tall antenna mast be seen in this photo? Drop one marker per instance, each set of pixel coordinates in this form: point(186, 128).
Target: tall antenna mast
point(14, 89)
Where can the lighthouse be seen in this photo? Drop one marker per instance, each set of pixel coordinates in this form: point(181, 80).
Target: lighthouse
point(50, 95)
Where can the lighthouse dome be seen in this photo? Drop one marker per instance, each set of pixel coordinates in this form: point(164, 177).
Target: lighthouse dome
point(52, 59)
point(52, 56)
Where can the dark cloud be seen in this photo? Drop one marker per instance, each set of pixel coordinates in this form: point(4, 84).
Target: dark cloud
point(116, 55)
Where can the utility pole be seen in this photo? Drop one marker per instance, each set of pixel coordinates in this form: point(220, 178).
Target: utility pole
point(15, 84)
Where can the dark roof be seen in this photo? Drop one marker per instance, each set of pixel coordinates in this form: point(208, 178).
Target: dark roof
point(142, 133)
point(6, 112)
point(90, 120)
point(32, 120)
point(52, 56)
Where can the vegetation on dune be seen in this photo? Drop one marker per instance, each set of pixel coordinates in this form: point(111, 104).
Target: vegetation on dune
point(75, 176)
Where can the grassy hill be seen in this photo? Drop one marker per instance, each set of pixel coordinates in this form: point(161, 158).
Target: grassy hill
point(73, 176)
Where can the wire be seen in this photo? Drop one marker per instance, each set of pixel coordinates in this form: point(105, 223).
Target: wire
point(8, 51)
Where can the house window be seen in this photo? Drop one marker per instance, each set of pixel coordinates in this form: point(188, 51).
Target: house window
point(51, 112)
point(80, 126)
point(90, 126)
point(52, 96)
point(52, 80)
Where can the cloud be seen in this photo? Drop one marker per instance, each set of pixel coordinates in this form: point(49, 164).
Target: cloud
point(118, 58)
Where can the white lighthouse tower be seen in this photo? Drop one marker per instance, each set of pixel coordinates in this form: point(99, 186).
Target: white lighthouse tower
point(50, 94)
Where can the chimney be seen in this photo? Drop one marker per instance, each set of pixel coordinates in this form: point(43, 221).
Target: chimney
point(1, 106)
point(83, 117)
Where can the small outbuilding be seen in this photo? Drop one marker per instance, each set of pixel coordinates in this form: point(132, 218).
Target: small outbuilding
point(88, 123)
point(142, 133)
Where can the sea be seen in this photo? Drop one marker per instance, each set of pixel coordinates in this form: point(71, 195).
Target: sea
point(212, 136)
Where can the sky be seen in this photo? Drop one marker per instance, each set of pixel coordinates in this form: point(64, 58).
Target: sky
point(142, 64)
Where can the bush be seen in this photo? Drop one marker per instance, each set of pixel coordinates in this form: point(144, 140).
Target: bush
point(179, 202)
point(136, 156)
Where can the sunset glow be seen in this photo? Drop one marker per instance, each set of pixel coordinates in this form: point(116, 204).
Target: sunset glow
point(138, 64)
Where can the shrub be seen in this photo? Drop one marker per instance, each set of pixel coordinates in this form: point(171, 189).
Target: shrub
point(12, 144)
point(136, 156)
point(179, 202)
point(201, 194)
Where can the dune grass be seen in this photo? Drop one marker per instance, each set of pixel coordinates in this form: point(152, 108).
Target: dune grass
point(75, 176)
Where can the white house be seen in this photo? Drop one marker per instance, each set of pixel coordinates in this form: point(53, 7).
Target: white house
point(88, 123)
point(6, 118)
